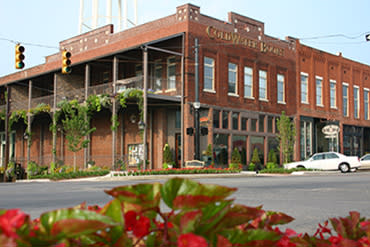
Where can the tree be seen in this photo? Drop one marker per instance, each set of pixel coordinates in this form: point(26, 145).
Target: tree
point(167, 156)
point(76, 125)
point(286, 136)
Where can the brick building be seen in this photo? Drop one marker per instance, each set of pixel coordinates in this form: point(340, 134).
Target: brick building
point(245, 79)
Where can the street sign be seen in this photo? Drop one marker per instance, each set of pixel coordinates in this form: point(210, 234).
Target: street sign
point(367, 37)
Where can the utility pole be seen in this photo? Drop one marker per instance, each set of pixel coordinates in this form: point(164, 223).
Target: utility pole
point(7, 112)
point(196, 105)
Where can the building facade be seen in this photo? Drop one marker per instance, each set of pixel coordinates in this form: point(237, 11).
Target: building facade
point(230, 75)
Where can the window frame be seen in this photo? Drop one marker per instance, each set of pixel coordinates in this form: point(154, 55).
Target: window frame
point(283, 88)
point(212, 67)
point(333, 95)
point(248, 85)
point(345, 109)
point(169, 80)
point(366, 103)
point(231, 70)
point(356, 114)
point(303, 74)
point(260, 83)
point(319, 78)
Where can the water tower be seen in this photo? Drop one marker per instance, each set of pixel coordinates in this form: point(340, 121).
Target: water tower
point(113, 14)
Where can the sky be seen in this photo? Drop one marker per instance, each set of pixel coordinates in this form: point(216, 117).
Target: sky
point(329, 25)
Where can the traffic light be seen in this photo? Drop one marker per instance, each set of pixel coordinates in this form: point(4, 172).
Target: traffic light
point(19, 56)
point(66, 62)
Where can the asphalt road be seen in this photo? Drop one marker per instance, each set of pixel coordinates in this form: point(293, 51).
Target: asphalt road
point(310, 199)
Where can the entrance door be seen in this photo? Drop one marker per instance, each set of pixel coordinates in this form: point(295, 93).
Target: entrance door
point(178, 150)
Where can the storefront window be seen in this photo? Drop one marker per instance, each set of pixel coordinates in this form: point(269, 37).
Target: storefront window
point(220, 149)
point(270, 120)
point(244, 123)
point(306, 139)
point(235, 120)
point(239, 142)
point(216, 119)
point(253, 124)
point(225, 120)
point(256, 142)
point(261, 123)
point(273, 144)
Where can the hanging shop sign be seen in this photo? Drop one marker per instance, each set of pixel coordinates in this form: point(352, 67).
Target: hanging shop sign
point(236, 38)
point(330, 130)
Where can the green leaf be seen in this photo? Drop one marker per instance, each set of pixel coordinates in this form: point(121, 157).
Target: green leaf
point(49, 219)
point(114, 210)
point(278, 218)
point(190, 220)
point(143, 196)
point(179, 193)
point(237, 236)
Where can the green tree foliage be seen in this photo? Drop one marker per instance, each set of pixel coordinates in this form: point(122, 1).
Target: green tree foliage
point(235, 156)
point(286, 136)
point(272, 156)
point(76, 125)
point(255, 157)
point(167, 155)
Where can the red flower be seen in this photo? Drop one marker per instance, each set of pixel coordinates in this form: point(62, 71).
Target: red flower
point(335, 239)
point(10, 221)
point(130, 220)
point(142, 227)
point(191, 240)
point(285, 242)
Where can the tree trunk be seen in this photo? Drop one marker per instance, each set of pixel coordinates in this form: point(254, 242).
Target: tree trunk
point(74, 161)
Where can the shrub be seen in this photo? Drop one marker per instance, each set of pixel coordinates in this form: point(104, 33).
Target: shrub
point(255, 157)
point(272, 157)
point(251, 167)
point(32, 168)
point(271, 165)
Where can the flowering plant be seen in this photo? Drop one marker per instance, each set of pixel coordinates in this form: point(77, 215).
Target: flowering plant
point(199, 215)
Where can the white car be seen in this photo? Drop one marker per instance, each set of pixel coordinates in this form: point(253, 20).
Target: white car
point(365, 161)
point(327, 161)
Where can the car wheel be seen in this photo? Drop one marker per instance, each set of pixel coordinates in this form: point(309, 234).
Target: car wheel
point(344, 167)
point(300, 166)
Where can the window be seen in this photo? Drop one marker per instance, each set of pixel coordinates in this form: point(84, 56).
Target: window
point(366, 104)
point(248, 82)
point(178, 120)
point(356, 101)
point(333, 94)
point(209, 74)
point(244, 123)
point(225, 120)
point(157, 75)
point(261, 123)
point(306, 139)
point(216, 119)
point(235, 119)
point(171, 73)
point(233, 71)
point(345, 99)
point(11, 147)
point(262, 85)
point(254, 125)
point(138, 70)
point(280, 88)
point(319, 91)
point(304, 88)
point(270, 121)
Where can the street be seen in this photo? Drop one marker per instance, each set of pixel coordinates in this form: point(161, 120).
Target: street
point(310, 199)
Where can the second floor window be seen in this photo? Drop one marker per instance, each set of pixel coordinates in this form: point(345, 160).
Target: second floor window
point(171, 73)
point(319, 91)
point(280, 88)
point(263, 85)
point(304, 88)
point(345, 99)
point(157, 75)
point(356, 101)
point(209, 73)
point(366, 104)
point(233, 72)
point(248, 82)
point(333, 94)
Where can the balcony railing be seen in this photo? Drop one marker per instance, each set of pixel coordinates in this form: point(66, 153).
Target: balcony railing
point(156, 85)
